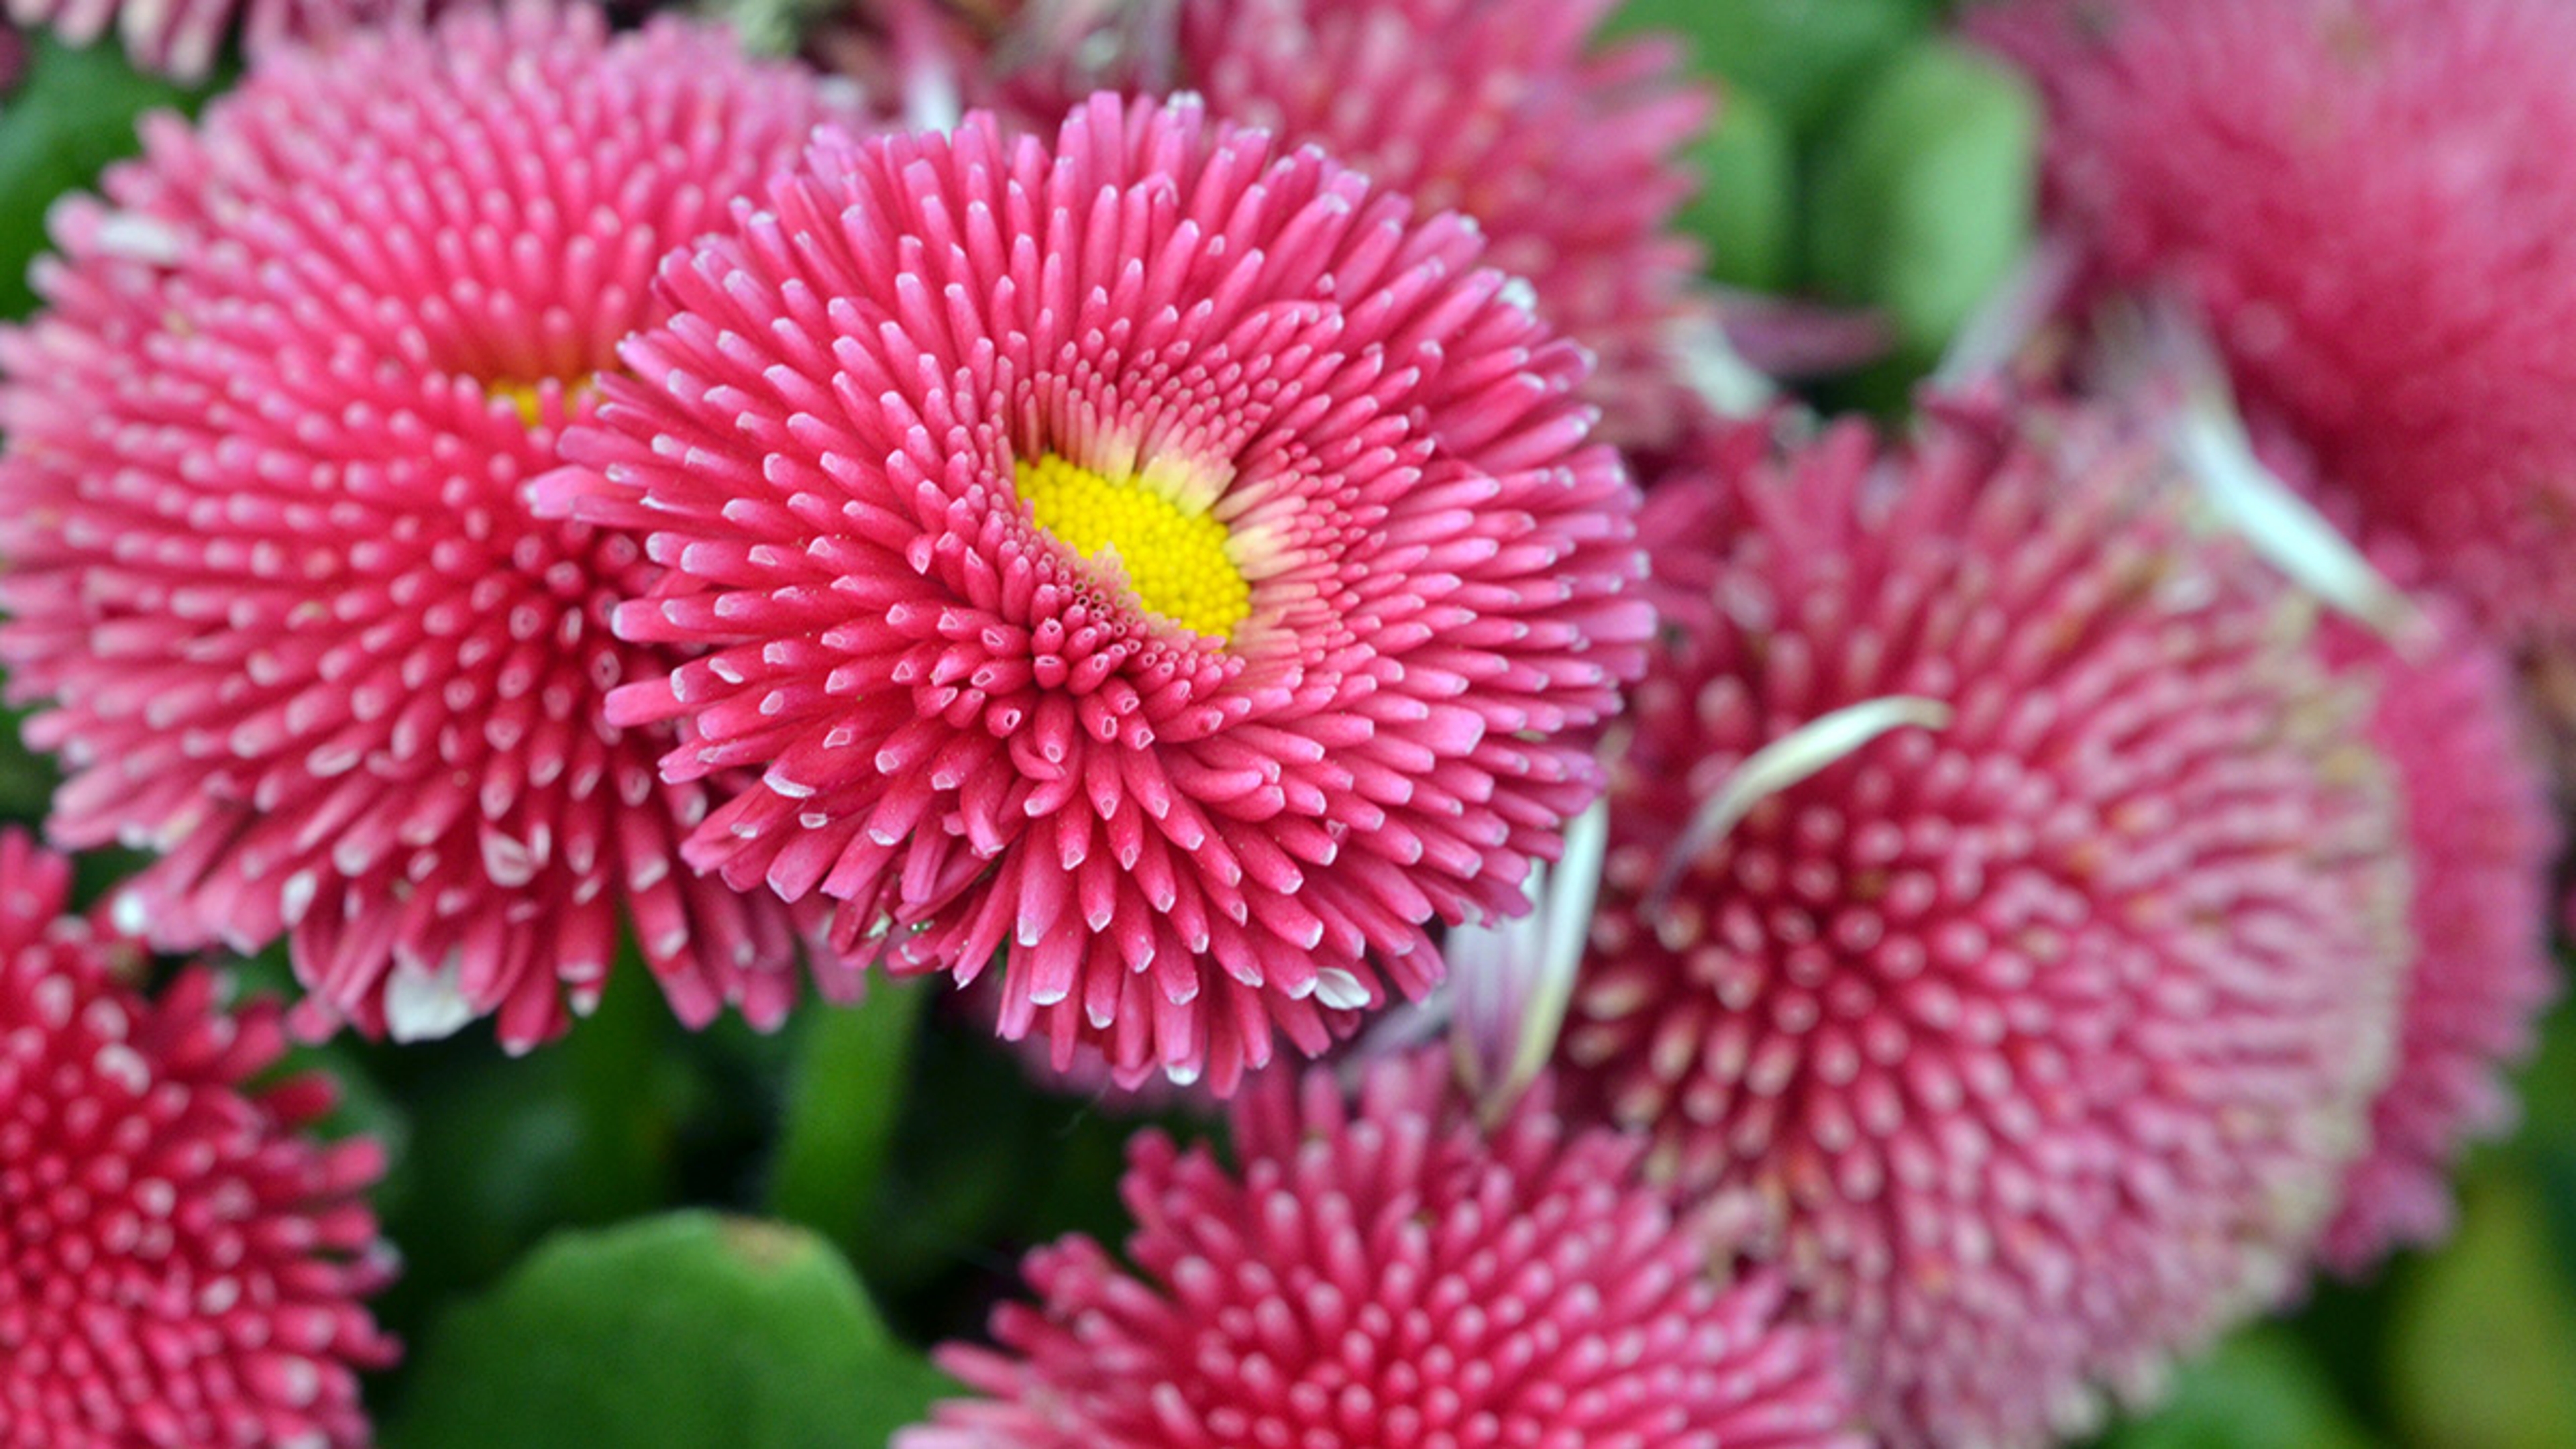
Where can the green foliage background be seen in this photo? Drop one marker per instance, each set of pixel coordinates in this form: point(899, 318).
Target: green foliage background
point(881, 1169)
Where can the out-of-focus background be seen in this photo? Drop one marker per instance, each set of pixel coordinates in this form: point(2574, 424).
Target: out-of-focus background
point(1863, 160)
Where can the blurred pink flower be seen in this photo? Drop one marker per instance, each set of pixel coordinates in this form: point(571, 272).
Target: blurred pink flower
point(183, 1264)
point(2482, 844)
point(2371, 201)
point(2482, 841)
point(2480, 833)
point(2001, 903)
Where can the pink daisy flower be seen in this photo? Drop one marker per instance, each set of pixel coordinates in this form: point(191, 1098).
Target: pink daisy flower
point(2371, 201)
point(181, 1267)
point(2482, 841)
point(267, 552)
point(2481, 838)
point(2001, 905)
point(1156, 553)
point(1381, 1273)
point(1567, 152)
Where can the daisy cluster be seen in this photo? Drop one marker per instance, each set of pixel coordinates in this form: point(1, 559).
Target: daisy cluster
point(1233, 532)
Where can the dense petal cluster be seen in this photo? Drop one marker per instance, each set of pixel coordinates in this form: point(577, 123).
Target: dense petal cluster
point(1567, 152)
point(1567, 155)
point(268, 554)
point(2037, 1030)
point(2371, 201)
point(1190, 829)
point(1383, 1274)
point(2481, 840)
point(180, 1268)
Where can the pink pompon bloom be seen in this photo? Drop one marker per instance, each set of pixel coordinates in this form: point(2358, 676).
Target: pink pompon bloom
point(2482, 841)
point(1381, 1273)
point(2371, 201)
point(181, 1264)
point(1157, 552)
point(266, 546)
point(181, 38)
point(1568, 152)
point(2001, 903)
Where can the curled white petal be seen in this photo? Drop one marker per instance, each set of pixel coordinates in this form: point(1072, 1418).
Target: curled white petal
point(427, 1005)
point(1715, 372)
point(2034, 291)
point(2156, 347)
point(2282, 527)
point(1783, 763)
point(1512, 981)
point(1566, 894)
point(932, 100)
point(1493, 966)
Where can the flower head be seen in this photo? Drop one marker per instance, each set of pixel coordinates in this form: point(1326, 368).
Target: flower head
point(2481, 841)
point(2370, 200)
point(1382, 1272)
point(1567, 152)
point(2001, 903)
point(179, 1264)
point(2480, 838)
point(267, 552)
point(1156, 553)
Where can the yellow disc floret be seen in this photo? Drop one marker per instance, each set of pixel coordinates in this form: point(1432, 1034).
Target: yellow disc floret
point(1174, 556)
point(528, 398)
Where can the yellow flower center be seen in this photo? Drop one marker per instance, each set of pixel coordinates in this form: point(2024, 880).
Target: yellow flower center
point(1173, 555)
point(528, 398)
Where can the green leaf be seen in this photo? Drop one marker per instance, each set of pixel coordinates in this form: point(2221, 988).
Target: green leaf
point(1924, 193)
point(1804, 58)
point(2547, 1085)
point(72, 114)
point(27, 780)
point(1747, 206)
point(843, 1101)
point(689, 1331)
point(965, 1155)
point(2485, 1332)
point(627, 1083)
point(503, 1151)
point(2258, 1391)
